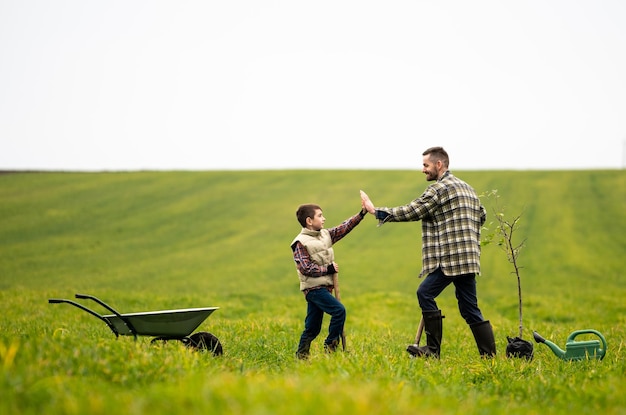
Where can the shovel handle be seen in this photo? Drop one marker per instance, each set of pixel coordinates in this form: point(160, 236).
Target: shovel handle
point(338, 297)
point(420, 330)
point(336, 286)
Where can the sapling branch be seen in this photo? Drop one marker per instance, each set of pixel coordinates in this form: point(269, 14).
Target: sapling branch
point(505, 230)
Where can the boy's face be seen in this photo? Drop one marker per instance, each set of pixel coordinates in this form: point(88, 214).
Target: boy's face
point(317, 221)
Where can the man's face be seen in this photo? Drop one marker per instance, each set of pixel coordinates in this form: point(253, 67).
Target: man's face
point(317, 222)
point(430, 168)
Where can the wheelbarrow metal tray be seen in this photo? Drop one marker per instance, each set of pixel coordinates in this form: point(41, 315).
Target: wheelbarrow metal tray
point(166, 323)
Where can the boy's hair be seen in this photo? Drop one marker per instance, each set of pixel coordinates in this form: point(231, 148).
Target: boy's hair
point(438, 153)
point(306, 211)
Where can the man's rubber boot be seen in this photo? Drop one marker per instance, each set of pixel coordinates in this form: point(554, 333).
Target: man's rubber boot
point(433, 326)
point(483, 334)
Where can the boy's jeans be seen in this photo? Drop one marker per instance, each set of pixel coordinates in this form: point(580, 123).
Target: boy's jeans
point(321, 301)
point(465, 290)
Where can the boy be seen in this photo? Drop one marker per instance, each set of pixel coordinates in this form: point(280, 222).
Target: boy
point(315, 263)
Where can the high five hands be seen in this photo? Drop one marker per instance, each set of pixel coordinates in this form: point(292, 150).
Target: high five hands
point(366, 203)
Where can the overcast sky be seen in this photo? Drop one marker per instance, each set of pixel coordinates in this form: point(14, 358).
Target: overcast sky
point(254, 84)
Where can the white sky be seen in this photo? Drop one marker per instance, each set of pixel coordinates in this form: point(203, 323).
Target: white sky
point(254, 84)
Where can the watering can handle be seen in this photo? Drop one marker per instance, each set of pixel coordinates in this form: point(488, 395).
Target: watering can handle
point(588, 331)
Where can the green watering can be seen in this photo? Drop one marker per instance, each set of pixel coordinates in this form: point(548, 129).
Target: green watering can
point(577, 350)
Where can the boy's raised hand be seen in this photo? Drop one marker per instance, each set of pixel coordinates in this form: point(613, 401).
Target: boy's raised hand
point(367, 203)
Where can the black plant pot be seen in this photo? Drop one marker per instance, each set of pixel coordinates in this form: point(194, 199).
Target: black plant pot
point(520, 348)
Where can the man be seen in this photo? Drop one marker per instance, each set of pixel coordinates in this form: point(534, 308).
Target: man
point(452, 216)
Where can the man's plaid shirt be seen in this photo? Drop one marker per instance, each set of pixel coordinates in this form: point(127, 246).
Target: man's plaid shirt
point(452, 216)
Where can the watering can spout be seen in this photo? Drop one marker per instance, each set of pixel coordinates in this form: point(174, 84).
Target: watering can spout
point(555, 349)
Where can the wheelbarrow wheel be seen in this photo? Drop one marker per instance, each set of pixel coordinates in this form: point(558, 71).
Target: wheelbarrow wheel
point(202, 341)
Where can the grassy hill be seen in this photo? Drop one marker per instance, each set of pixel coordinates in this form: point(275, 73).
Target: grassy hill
point(145, 241)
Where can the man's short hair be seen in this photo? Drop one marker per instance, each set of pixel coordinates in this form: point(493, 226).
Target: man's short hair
point(436, 154)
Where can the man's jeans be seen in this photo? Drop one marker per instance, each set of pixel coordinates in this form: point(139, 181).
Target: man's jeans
point(321, 301)
point(465, 290)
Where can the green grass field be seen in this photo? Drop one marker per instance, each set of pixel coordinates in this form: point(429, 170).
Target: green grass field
point(146, 241)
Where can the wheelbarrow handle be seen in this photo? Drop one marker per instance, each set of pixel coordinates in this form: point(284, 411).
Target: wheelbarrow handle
point(97, 300)
point(111, 309)
point(90, 311)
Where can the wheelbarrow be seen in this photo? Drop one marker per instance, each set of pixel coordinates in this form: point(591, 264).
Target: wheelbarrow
point(163, 325)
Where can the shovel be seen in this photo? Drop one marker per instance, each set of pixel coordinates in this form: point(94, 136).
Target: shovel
point(338, 297)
